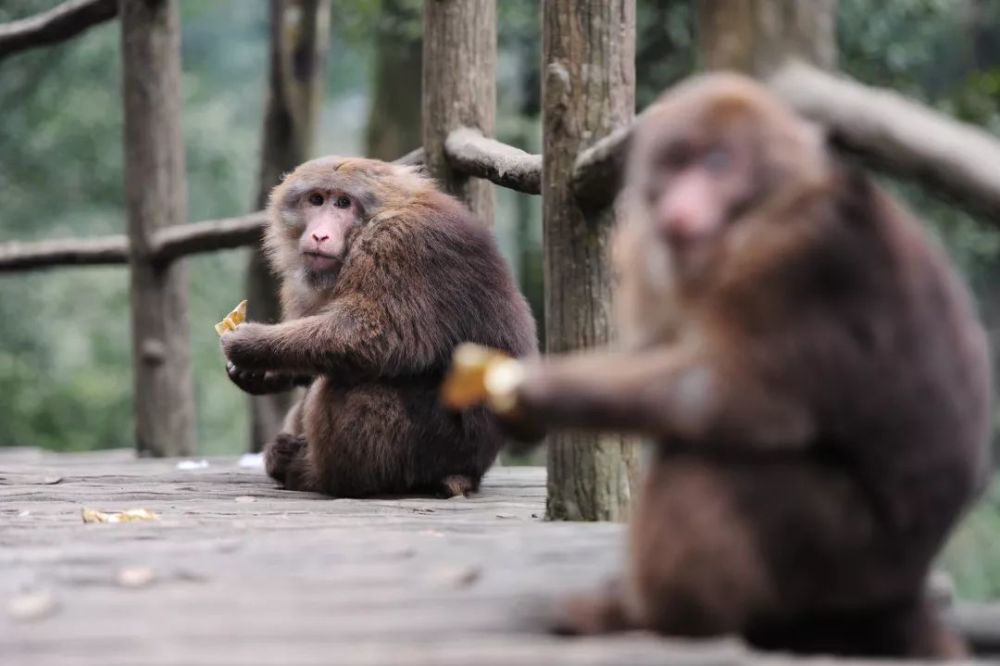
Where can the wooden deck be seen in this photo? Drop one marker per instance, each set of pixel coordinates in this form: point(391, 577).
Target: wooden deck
point(239, 572)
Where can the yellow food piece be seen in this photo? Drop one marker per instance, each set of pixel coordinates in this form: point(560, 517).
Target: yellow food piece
point(129, 516)
point(480, 374)
point(502, 380)
point(233, 319)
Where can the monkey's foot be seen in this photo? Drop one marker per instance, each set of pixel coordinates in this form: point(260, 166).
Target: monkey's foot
point(599, 612)
point(281, 453)
point(457, 484)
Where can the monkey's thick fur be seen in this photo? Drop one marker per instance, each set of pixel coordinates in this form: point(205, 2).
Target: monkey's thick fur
point(420, 274)
point(816, 379)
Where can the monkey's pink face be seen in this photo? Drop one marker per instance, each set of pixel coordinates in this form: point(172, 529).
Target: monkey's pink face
point(693, 191)
point(330, 217)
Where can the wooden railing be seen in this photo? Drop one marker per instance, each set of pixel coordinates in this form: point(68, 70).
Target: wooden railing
point(578, 176)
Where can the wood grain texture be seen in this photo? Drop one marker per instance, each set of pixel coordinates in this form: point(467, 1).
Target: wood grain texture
point(156, 198)
point(459, 89)
point(296, 578)
point(58, 24)
point(588, 91)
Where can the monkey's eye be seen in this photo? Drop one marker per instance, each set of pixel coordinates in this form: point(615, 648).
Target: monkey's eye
point(342, 202)
point(717, 160)
point(316, 199)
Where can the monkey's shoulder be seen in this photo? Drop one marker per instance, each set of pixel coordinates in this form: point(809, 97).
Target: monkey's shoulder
point(436, 230)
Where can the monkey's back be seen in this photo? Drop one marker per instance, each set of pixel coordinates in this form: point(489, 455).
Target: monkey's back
point(895, 364)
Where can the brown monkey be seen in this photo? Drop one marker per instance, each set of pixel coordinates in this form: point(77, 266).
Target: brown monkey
point(815, 377)
point(382, 275)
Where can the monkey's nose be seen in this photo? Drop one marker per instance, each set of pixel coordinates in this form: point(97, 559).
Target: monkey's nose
point(320, 239)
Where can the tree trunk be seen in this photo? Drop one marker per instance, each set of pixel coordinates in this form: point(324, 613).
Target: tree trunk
point(299, 40)
point(756, 36)
point(394, 117)
point(156, 197)
point(459, 88)
point(588, 90)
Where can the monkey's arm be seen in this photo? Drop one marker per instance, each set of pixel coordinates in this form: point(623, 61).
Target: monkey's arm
point(256, 382)
point(349, 337)
point(672, 393)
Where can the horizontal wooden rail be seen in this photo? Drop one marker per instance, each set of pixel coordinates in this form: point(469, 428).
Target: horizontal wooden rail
point(898, 136)
point(184, 239)
point(17, 256)
point(957, 160)
point(58, 24)
point(596, 175)
point(889, 132)
point(599, 170)
point(468, 151)
point(169, 243)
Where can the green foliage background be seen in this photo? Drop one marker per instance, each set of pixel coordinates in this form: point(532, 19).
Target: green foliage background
point(65, 376)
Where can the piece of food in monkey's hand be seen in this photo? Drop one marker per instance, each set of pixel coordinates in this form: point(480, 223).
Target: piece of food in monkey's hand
point(233, 319)
point(480, 374)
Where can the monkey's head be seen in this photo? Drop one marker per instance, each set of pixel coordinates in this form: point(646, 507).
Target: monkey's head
point(325, 206)
point(714, 152)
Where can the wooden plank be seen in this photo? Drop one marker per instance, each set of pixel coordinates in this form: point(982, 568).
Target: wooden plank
point(295, 577)
point(459, 89)
point(156, 198)
point(588, 91)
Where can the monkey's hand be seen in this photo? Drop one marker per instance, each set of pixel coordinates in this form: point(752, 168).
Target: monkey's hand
point(248, 348)
point(262, 382)
point(249, 361)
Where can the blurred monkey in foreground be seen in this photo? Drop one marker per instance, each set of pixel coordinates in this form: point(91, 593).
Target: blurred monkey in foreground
point(813, 372)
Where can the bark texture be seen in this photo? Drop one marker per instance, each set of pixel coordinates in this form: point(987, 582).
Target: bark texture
point(588, 91)
point(459, 89)
point(156, 197)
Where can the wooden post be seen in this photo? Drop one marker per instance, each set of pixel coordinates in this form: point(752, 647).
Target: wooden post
point(756, 36)
point(459, 88)
point(299, 41)
point(156, 197)
point(588, 90)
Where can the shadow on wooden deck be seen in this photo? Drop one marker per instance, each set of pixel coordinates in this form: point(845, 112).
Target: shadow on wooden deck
point(244, 573)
